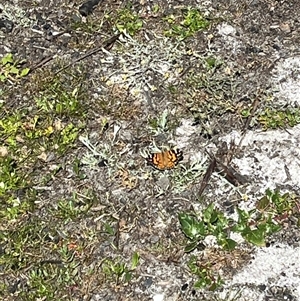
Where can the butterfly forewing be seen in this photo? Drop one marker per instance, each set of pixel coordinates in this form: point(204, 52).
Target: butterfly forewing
point(165, 160)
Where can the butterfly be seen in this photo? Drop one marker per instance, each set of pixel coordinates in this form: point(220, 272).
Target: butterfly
point(165, 160)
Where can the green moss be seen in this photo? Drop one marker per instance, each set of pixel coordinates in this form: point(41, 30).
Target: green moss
point(57, 98)
point(273, 119)
point(50, 268)
point(185, 25)
point(127, 20)
point(11, 69)
point(122, 20)
point(70, 209)
point(9, 127)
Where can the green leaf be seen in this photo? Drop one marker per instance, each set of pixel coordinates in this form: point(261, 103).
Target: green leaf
point(273, 195)
point(13, 70)
point(271, 227)
point(201, 283)
point(24, 72)
point(127, 276)
point(188, 225)
point(215, 216)
point(227, 243)
point(211, 62)
point(263, 203)
point(109, 229)
point(190, 247)
point(256, 237)
point(243, 217)
point(201, 229)
point(135, 260)
point(207, 214)
point(7, 59)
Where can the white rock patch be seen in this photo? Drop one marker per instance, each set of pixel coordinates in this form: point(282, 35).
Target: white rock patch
point(286, 79)
point(277, 265)
point(271, 157)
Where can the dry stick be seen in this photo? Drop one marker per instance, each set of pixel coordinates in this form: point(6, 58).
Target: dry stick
point(41, 63)
point(253, 110)
point(106, 45)
point(116, 240)
point(230, 174)
point(207, 175)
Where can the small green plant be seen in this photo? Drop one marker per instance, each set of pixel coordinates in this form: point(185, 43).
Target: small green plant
point(189, 173)
point(109, 229)
point(127, 20)
point(206, 278)
point(47, 277)
point(77, 169)
point(159, 124)
point(89, 27)
point(273, 119)
point(59, 101)
point(67, 137)
point(119, 271)
point(12, 180)
point(10, 69)
point(9, 127)
point(70, 209)
point(258, 223)
point(186, 25)
point(8, 175)
point(67, 210)
point(37, 130)
point(246, 112)
point(253, 225)
point(276, 204)
point(19, 243)
point(213, 222)
point(155, 9)
point(212, 63)
point(13, 208)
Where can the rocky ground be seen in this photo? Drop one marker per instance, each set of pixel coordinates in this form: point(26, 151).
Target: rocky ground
point(90, 90)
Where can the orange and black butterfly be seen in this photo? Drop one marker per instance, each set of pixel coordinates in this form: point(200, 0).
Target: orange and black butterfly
point(165, 160)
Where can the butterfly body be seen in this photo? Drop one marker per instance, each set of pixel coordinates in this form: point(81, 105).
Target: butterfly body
point(165, 160)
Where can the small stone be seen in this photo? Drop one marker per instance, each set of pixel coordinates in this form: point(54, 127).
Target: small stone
point(148, 282)
point(88, 7)
point(6, 25)
point(184, 287)
point(3, 151)
point(158, 297)
point(285, 27)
